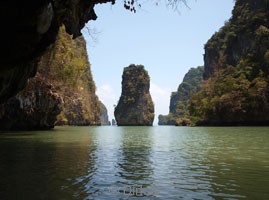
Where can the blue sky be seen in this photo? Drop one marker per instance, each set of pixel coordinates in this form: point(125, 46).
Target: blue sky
point(167, 42)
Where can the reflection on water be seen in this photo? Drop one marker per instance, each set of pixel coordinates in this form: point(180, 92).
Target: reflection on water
point(45, 165)
point(135, 162)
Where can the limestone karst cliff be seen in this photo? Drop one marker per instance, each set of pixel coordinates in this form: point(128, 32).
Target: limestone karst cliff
point(66, 66)
point(135, 106)
point(104, 115)
point(62, 88)
point(178, 109)
point(236, 89)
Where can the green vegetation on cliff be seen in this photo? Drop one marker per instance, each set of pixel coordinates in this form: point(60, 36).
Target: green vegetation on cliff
point(178, 109)
point(61, 93)
point(236, 90)
point(135, 106)
point(236, 73)
point(66, 67)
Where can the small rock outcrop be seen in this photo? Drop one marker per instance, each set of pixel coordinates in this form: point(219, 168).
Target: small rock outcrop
point(178, 109)
point(135, 107)
point(113, 122)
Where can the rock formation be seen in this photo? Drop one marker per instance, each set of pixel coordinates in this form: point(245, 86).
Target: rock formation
point(36, 107)
point(63, 86)
point(66, 66)
point(28, 28)
point(135, 107)
point(114, 122)
point(178, 109)
point(104, 115)
point(236, 90)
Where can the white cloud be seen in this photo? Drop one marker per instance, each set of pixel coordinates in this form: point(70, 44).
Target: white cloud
point(108, 96)
point(158, 92)
point(105, 90)
point(161, 99)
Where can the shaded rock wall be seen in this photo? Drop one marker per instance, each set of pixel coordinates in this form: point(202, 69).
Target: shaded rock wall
point(36, 107)
point(28, 28)
point(104, 115)
point(62, 92)
point(135, 106)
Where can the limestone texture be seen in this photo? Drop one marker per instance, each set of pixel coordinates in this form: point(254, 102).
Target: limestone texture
point(135, 107)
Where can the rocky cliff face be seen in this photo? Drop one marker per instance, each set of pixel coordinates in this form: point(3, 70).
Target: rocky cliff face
point(63, 88)
point(104, 115)
point(68, 68)
point(178, 109)
point(28, 28)
point(244, 37)
point(135, 106)
point(236, 90)
point(36, 107)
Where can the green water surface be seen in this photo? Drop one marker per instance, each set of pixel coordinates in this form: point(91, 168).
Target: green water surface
point(135, 163)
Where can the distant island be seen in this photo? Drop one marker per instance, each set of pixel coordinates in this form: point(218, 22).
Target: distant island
point(178, 109)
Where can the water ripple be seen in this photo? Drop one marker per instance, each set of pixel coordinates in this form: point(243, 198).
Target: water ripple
point(136, 162)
